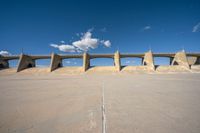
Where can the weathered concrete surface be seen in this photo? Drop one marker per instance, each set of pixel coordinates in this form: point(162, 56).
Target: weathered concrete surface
point(117, 61)
point(138, 103)
point(181, 60)
point(193, 60)
point(86, 61)
point(148, 60)
point(56, 62)
point(25, 61)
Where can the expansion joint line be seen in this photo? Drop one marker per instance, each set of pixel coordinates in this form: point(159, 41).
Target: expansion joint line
point(103, 111)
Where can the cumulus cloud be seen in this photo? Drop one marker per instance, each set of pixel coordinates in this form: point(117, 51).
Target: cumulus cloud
point(64, 47)
point(196, 28)
point(85, 43)
point(4, 53)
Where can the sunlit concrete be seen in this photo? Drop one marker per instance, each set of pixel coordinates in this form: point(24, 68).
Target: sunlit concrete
point(139, 103)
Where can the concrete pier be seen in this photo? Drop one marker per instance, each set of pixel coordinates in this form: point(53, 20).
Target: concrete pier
point(25, 61)
point(86, 61)
point(117, 61)
point(56, 62)
point(181, 60)
point(148, 60)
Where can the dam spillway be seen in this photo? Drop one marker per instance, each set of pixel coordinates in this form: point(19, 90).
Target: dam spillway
point(180, 59)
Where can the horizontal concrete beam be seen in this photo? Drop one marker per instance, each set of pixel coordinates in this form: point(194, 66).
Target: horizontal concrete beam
point(122, 55)
point(131, 55)
point(10, 57)
point(101, 56)
point(71, 56)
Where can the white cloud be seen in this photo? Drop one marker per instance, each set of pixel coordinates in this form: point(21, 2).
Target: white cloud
point(64, 47)
point(146, 28)
point(86, 42)
point(106, 43)
point(4, 53)
point(196, 28)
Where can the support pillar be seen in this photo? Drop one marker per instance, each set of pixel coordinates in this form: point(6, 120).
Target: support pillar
point(4, 64)
point(25, 61)
point(181, 59)
point(117, 61)
point(86, 61)
point(56, 62)
point(148, 60)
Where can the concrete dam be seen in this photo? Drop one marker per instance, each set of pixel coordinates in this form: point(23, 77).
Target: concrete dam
point(180, 60)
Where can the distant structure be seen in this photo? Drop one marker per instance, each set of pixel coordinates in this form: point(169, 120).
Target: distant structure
point(181, 58)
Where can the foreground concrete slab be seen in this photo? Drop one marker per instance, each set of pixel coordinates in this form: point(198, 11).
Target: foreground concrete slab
point(140, 103)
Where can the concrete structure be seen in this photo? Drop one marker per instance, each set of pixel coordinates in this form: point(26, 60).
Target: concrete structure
point(4, 64)
point(148, 60)
point(86, 61)
point(181, 58)
point(56, 62)
point(117, 61)
point(25, 61)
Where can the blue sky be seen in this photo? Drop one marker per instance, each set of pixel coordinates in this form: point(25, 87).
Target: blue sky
point(129, 26)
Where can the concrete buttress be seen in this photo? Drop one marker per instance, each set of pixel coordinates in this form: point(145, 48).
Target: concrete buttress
point(56, 62)
point(25, 61)
point(148, 60)
point(117, 61)
point(180, 58)
point(86, 61)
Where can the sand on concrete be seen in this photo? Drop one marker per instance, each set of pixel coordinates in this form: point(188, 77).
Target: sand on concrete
point(139, 103)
